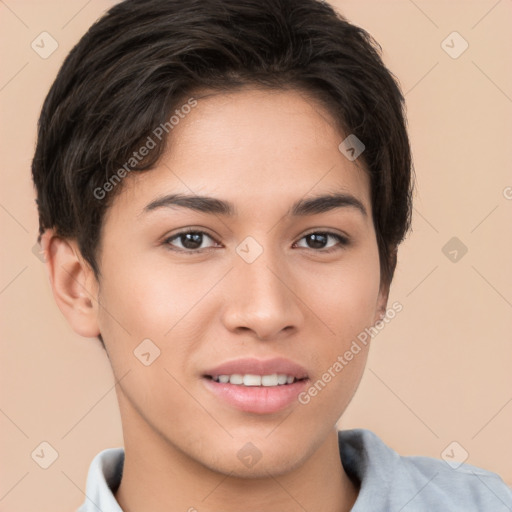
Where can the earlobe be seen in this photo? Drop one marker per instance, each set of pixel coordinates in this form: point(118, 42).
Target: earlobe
point(73, 283)
point(382, 302)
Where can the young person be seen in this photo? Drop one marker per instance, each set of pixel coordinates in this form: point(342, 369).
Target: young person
point(222, 187)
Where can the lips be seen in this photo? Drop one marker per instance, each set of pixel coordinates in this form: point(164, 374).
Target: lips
point(257, 386)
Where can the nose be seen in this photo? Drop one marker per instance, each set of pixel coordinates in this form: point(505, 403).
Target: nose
point(262, 299)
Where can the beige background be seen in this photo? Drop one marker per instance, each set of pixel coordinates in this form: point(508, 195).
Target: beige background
point(438, 373)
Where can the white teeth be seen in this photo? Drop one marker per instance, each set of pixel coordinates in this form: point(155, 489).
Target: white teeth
point(236, 379)
point(283, 379)
point(269, 380)
point(252, 380)
point(256, 380)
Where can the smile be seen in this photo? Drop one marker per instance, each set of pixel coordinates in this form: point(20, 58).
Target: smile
point(256, 380)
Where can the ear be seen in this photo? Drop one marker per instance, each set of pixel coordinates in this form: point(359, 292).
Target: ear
point(382, 302)
point(73, 283)
point(385, 285)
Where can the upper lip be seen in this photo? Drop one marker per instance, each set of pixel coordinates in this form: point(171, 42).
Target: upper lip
point(259, 367)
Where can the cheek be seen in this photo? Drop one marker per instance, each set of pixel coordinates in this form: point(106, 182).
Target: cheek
point(344, 299)
point(157, 301)
point(344, 296)
point(145, 298)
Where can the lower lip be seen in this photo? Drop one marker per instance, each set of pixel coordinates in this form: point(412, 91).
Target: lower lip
point(257, 399)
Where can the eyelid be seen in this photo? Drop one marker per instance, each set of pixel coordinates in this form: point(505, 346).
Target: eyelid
point(343, 241)
point(327, 231)
point(174, 236)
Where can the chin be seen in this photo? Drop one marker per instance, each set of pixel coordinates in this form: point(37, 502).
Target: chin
point(251, 462)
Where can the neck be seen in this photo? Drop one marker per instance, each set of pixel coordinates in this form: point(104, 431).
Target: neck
point(159, 477)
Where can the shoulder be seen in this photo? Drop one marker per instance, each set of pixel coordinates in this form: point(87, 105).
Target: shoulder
point(417, 483)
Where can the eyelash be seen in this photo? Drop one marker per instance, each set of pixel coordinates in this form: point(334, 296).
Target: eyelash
point(342, 240)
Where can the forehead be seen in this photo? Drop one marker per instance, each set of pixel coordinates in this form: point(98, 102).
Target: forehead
point(254, 148)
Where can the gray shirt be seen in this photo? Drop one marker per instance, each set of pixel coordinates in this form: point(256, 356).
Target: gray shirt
point(388, 481)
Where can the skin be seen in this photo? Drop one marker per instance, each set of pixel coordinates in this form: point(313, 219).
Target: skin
point(261, 150)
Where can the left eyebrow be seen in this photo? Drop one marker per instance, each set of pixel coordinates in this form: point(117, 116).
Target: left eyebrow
point(325, 203)
point(302, 207)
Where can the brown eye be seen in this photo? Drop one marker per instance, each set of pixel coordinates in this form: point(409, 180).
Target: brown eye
point(188, 241)
point(319, 240)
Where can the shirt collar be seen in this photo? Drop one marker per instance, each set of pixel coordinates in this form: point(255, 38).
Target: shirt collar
point(355, 446)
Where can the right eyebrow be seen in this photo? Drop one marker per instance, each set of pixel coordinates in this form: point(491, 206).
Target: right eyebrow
point(202, 204)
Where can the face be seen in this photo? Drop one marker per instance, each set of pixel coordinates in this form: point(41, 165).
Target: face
point(261, 285)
